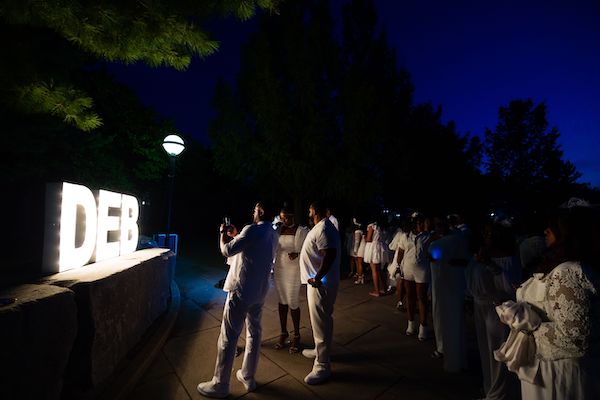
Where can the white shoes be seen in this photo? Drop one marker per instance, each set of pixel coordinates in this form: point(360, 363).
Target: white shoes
point(309, 353)
point(423, 333)
point(412, 328)
point(249, 384)
point(316, 377)
point(212, 389)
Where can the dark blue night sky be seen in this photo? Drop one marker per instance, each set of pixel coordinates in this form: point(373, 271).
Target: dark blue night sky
point(470, 57)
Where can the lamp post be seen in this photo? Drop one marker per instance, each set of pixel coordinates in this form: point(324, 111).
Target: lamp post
point(173, 145)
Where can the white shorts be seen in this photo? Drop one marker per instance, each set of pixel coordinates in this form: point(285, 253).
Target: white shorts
point(416, 273)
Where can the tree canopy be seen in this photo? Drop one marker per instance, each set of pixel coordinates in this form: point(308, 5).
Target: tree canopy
point(36, 77)
point(522, 153)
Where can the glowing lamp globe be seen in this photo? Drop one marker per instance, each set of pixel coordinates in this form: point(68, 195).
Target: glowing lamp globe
point(173, 145)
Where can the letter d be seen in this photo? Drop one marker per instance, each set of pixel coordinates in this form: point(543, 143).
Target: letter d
point(71, 256)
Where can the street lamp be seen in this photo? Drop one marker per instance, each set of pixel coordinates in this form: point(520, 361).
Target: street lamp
point(173, 145)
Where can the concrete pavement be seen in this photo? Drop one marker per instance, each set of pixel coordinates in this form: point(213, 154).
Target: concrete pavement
point(371, 359)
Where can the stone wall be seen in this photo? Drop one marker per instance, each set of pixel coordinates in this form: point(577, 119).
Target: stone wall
point(109, 305)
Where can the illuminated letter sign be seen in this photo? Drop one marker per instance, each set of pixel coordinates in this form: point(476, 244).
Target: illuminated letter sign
point(69, 255)
point(81, 227)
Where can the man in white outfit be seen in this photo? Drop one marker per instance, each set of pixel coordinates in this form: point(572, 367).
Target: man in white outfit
point(247, 283)
point(320, 269)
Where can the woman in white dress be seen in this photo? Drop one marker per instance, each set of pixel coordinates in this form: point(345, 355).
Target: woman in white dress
point(414, 259)
point(376, 255)
point(357, 251)
point(564, 293)
point(286, 274)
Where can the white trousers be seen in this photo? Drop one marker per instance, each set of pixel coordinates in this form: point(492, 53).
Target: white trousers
point(320, 309)
point(234, 314)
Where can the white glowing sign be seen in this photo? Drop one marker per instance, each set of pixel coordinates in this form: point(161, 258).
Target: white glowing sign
point(90, 228)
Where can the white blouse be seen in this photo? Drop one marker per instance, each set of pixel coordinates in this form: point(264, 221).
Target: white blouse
point(567, 301)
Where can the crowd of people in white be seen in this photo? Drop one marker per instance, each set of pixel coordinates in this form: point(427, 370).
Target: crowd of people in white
point(530, 289)
point(533, 290)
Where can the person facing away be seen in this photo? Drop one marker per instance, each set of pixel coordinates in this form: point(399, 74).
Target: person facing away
point(332, 218)
point(320, 269)
point(449, 254)
point(247, 283)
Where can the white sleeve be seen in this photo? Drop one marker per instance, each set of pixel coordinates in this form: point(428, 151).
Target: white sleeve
point(237, 244)
point(324, 241)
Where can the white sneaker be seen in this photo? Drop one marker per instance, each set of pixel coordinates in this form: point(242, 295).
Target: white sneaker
point(316, 377)
point(212, 389)
point(249, 384)
point(423, 333)
point(309, 353)
point(412, 328)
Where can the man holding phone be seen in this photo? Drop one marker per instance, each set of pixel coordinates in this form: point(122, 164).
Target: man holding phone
point(247, 284)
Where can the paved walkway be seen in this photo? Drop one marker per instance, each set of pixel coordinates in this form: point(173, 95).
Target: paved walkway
point(372, 358)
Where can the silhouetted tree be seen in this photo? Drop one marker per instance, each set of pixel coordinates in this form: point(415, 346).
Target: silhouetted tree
point(523, 150)
point(522, 154)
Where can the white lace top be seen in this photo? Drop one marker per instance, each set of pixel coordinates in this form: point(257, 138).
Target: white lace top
point(569, 305)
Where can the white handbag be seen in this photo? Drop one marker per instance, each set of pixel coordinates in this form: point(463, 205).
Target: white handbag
point(518, 352)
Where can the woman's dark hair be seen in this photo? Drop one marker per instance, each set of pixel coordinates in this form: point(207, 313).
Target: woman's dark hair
point(287, 209)
point(576, 233)
point(416, 218)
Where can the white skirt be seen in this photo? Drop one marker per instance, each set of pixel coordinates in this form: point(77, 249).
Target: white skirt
point(416, 273)
point(361, 248)
point(376, 253)
point(569, 378)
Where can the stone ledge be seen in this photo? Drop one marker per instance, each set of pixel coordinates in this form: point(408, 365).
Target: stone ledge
point(36, 337)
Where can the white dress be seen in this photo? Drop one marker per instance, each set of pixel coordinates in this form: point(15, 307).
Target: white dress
point(567, 301)
point(286, 272)
point(376, 251)
point(357, 248)
point(359, 237)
